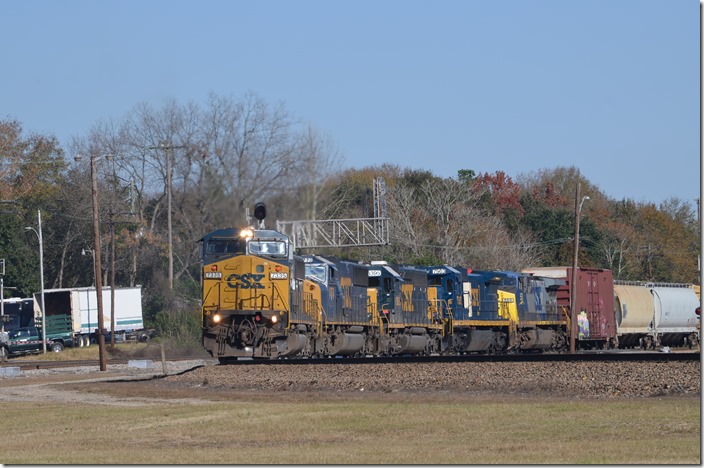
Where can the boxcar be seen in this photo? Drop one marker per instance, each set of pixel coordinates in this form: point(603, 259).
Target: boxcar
point(595, 297)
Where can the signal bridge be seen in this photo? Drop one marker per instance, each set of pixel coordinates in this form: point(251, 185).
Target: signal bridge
point(336, 232)
point(342, 232)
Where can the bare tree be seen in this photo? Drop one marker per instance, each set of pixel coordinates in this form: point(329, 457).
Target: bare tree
point(251, 146)
point(408, 231)
point(319, 158)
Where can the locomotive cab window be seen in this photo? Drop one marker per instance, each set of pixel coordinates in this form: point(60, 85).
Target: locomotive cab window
point(268, 247)
point(435, 281)
point(223, 247)
point(388, 285)
point(316, 272)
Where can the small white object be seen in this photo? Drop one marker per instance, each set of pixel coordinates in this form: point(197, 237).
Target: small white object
point(140, 363)
point(9, 371)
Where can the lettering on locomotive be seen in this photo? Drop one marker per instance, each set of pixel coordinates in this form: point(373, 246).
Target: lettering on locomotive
point(246, 281)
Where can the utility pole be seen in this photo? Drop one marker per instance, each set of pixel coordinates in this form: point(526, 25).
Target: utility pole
point(41, 272)
point(169, 175)
point(699, 256)
point(573, 281)
point(97, 264)
point(112, 281)
point(2, 295)
point(98, 267)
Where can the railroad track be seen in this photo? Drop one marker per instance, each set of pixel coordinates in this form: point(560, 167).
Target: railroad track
point(612, 356)
point(25, 365)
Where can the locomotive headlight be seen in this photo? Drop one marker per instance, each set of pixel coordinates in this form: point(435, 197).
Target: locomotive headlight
point(274, 319)
point(216, 318)
point(246, 233)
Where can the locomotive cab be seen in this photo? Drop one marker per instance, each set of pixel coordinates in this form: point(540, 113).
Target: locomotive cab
point(252, 294)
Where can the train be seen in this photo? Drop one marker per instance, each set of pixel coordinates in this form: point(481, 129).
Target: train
point(262, 300)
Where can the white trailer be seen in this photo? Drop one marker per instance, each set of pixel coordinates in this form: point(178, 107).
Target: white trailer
point(82, 305)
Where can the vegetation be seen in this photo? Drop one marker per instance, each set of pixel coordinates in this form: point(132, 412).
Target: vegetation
point(214, 161)
point(310, 429)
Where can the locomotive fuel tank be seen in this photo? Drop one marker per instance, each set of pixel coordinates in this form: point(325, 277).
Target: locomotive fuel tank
point(345, 344)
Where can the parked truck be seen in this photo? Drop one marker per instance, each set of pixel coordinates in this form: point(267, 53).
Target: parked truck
point(81, 305)
point(28, 340)
point(16, 313)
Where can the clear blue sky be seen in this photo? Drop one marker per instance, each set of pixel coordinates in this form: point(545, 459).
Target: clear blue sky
point(609, 86)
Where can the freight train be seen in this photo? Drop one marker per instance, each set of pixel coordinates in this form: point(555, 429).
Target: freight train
point(260, 300)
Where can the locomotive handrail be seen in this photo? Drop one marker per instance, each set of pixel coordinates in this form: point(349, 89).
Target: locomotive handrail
point(567, 317)
point(215, 287)
point(448, 323)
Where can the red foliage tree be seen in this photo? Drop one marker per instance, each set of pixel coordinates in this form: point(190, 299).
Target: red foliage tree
point(505, 193)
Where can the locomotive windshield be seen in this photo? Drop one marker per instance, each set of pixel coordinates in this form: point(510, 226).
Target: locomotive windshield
point(268, 247)
point(224, 247)
point(316, 272)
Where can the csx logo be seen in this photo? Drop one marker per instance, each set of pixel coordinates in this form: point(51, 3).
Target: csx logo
point(246, 281)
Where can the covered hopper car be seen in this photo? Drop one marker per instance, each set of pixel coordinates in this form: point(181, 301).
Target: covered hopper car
point(652, 315)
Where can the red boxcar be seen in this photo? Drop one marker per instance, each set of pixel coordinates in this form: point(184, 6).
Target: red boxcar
point(595, 297)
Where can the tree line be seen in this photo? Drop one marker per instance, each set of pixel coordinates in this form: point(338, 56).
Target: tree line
point(210, 162)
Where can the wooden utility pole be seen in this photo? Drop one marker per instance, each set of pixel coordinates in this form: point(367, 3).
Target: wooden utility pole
point(98, 267)
point(168, 148)
point(573, 281)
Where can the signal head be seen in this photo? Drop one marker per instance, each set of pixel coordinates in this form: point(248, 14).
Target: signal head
point(260, 211)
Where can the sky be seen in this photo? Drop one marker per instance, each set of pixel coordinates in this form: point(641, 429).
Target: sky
point(611, 87)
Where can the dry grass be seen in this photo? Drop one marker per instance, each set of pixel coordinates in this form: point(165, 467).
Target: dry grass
point(222, 426)
point(149, 350)
point(374, 429)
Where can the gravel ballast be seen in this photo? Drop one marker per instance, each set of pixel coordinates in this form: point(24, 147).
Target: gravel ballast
point(564, 379)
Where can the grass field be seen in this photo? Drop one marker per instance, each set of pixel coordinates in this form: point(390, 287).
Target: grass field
point(320, 428)
point(412, 430)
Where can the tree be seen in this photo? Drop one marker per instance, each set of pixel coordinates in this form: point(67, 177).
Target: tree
point(320, 159)
point(31, 174)
point(253, 146)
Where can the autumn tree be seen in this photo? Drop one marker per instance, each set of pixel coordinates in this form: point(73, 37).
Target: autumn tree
point(31, 170)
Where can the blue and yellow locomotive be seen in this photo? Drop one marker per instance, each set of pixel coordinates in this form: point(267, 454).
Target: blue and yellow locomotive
point(260, 300)
point(256, 301)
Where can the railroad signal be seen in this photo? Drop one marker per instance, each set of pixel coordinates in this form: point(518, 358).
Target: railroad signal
point(260, 211)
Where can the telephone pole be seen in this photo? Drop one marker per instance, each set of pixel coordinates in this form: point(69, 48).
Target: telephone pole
point(168, 148)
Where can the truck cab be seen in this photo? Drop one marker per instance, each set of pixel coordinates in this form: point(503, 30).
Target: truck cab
point(28, 340)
